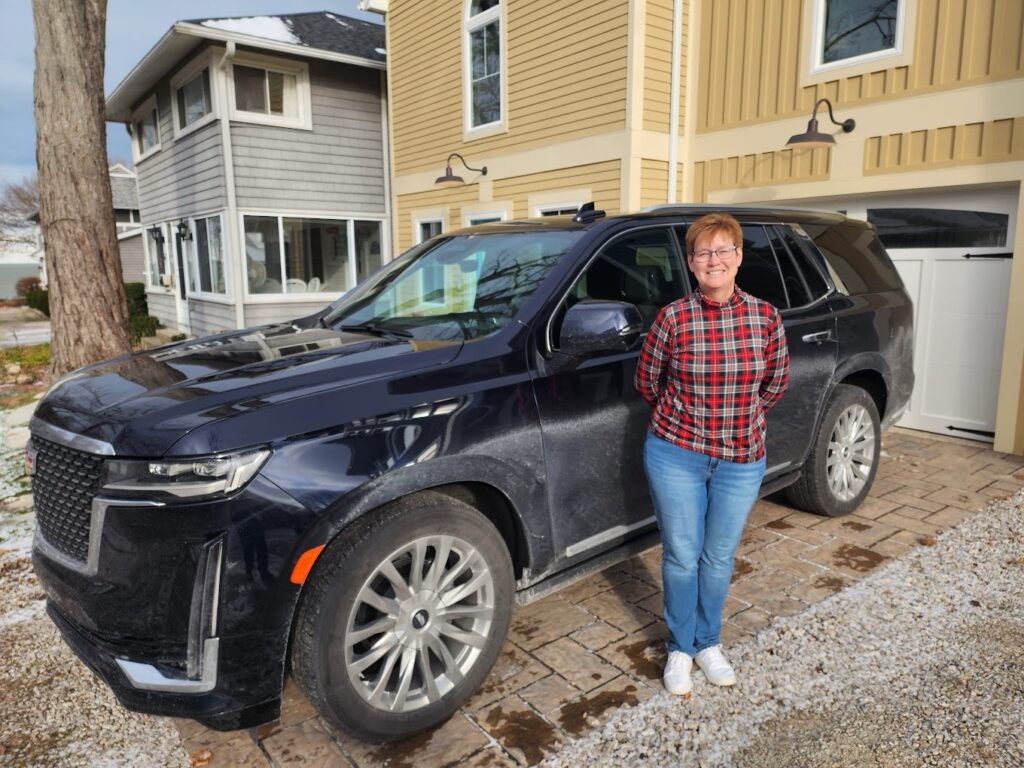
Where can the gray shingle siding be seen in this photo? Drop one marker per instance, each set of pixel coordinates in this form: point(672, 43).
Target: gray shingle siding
point(187, 175)
point(338, 166)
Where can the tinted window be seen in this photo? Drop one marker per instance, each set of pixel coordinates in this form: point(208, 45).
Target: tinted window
point(759, 271)
point(855, 256)
point(796, 289)
point(642, 268)
point(802, 256)
point(939, 228)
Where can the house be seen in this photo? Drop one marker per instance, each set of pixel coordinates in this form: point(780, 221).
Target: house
point(125, 193)
point(262, 177)
point(539, 107)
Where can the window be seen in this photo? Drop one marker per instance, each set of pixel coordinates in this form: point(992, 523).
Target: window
point(307, 256)
point(145, 130)
point(159, 273)
point(759, 273)
point(474, 219)
point(939, 228)
point(428, 228)
point(852, 31)
point(206, 262)
point(483, 57)
point(268, 90)
point(194, 99)
point(855, 258)
point(803, 254)
point(642, 268)
point(559, 210)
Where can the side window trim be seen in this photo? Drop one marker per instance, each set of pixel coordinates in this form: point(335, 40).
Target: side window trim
point(818, 259)
point(549, 343)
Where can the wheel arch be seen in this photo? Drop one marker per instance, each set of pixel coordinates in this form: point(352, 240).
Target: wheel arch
point(869, 372)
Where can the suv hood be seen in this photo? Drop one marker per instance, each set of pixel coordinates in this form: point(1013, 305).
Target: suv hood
point(146, 402)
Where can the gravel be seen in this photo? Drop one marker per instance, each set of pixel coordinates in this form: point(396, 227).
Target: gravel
point(919, 664)
point(53, 712)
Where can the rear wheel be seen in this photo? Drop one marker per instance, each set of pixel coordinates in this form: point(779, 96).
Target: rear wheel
point(403, 618)
point(843, 461)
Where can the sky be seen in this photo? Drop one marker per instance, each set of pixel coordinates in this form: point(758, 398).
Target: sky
point(133, 27)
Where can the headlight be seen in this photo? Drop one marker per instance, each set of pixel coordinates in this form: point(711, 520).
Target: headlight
point(193, 479)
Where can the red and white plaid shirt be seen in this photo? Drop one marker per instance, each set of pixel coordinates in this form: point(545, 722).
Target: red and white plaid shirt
point(711, 371)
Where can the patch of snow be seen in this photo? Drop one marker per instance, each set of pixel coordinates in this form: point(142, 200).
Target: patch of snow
point(22, 615)
point(340, 21)
point(267, 27)
point(381, 51)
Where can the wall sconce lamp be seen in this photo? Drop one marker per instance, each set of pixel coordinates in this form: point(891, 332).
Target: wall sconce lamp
point(450, 179)
point(183, 231)
point(812, 137)
point(157, 234)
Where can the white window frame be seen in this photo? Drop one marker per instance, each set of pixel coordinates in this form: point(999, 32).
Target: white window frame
point(818, 71)
point(303, 120)
point(318, 297)
point(417, 234)
point(470, 25)
point(192, 260)
point(477, 217)
point(149, 106)
point(540, 210)
point(169, 260)
point(191, 70)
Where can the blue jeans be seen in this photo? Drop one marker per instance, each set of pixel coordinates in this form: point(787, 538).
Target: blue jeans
point(701, 504)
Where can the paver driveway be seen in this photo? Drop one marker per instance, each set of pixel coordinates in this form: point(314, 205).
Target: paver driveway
point(574, 658)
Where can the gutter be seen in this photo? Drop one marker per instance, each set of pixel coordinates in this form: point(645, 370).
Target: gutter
point(233, 222)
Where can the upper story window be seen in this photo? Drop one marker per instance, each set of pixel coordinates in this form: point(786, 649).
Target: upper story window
point(271, 91)
point(145, 130)
point(483, 64)
point(192, 96)
point(856, 37)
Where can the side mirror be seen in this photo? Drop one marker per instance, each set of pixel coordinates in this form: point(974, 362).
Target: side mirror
point(599, 326)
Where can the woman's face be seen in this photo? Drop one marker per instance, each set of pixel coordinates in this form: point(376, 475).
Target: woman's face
point(716, 274)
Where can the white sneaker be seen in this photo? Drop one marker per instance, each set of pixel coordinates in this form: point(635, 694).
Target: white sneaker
point(716, 669)
point(677, 674)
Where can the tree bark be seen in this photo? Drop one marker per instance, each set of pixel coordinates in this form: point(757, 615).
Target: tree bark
point(88, 310)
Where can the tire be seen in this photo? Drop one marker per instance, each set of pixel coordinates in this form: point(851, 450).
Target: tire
point(843, 460)
point(383, 654)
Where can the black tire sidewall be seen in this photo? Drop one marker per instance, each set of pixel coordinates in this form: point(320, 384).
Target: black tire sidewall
point(843, 397)
point(354, 561)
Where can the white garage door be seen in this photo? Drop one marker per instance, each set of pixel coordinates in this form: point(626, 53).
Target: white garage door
point(953, 250)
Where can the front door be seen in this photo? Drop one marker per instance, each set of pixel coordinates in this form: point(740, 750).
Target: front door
point(593, 420)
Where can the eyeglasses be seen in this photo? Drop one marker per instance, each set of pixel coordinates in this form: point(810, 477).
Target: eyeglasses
point(724, 253)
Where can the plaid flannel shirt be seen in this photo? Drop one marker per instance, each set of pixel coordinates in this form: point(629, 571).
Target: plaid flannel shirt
point(711, 371)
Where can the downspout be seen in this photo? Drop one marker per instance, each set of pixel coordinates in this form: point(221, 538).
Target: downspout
point(673, 120)
point(233, 224)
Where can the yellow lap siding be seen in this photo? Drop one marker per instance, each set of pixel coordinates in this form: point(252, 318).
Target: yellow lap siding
point(653, 182)
point(603, 180)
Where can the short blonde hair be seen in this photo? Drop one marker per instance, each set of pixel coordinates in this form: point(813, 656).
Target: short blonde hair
point(712, 224)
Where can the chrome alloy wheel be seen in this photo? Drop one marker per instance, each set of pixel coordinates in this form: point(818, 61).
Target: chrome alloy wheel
point(419, 623)
point(851, 451)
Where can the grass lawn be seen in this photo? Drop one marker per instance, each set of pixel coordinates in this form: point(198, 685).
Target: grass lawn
point(35, 361)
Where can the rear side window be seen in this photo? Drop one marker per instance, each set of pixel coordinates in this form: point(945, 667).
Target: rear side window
point(854, 254)
point(805, 261)
point(759, 273)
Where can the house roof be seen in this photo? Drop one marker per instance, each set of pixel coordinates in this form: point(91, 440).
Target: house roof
point(317, 35)
point(124, 191)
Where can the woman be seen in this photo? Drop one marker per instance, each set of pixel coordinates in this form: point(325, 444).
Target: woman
point(713, 363)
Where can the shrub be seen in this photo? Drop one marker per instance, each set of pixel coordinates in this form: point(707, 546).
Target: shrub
point(136, 295)
point(140, 326)
point(25, 284)
point(38, 298)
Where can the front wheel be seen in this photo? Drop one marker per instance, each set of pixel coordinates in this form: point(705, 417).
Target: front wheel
point(843, 461)
point(403, 618)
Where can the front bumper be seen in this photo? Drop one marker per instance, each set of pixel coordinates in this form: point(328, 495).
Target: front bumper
point(186, 610)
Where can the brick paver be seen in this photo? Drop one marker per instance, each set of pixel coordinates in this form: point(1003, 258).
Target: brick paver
point(573, 659)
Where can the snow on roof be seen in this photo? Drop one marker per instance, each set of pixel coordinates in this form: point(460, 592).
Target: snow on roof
point(266, 27)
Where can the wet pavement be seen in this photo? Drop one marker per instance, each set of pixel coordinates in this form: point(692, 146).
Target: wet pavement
point(574, 659)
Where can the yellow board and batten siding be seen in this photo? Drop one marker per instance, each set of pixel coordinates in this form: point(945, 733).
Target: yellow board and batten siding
point(994, 141)
point(750, 60)
point(785, 166)
point(577, 50)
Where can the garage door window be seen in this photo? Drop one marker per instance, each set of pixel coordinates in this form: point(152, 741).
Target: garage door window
point(939, 228)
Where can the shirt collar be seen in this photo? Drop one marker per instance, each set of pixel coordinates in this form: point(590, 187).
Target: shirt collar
point(737, 298)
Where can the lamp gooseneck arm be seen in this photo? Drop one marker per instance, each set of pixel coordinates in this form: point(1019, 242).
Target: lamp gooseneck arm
point(846, 125)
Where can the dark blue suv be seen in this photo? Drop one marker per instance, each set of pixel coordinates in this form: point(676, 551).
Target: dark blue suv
point(362, 495)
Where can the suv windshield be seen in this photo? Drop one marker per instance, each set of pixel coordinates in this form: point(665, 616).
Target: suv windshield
point(461, 287)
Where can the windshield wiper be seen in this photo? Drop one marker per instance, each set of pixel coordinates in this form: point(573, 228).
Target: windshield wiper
point(376, 329)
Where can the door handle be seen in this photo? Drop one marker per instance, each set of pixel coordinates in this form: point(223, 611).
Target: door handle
point(817, 338)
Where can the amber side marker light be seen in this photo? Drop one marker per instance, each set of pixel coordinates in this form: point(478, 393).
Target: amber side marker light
point(305, 564)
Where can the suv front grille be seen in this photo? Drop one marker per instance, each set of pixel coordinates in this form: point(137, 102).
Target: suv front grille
point(64, 485)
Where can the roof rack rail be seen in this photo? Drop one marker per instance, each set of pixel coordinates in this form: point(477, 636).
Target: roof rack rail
point(586, 213)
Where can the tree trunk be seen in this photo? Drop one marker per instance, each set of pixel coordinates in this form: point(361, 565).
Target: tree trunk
point(88, 310)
